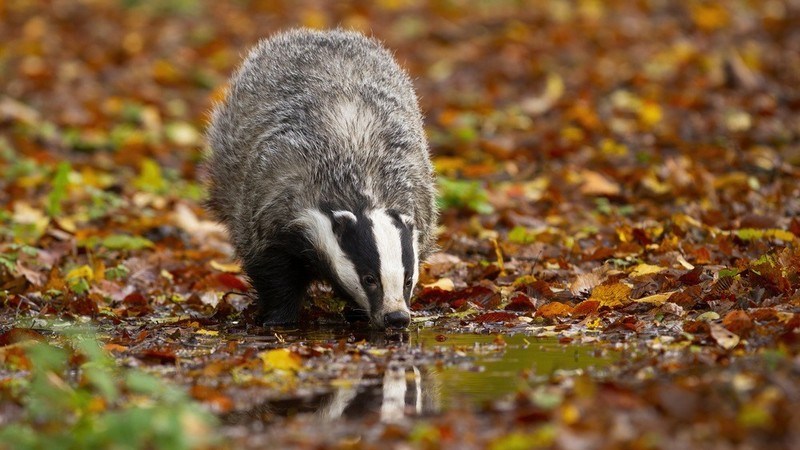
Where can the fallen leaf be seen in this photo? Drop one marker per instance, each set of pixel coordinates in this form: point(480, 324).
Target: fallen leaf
point(737, 321)
point(612, 296)
point(495, 316)
point(655, 299)
point(280, 359)
point(645, 269)
point(724, 338)
point(520, 302)
point(585, 308)
point(445, 284)
point(596, 184)
point(554, 309)
point(226, 267)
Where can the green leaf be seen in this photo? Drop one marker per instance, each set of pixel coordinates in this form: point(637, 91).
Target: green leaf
point(59, 189)
point(727, 273)
point(125, 242)
point(151, 178)
point(521, 235)
point(464, 194)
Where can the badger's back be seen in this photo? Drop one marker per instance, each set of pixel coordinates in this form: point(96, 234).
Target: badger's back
point(315, 118)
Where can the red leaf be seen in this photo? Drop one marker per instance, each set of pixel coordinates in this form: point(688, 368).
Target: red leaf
point(585, 308)
point(232, 282)
point(496, 316)
point(520, 302)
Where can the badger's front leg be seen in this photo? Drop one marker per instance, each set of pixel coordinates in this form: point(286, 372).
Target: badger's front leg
point(281, 281)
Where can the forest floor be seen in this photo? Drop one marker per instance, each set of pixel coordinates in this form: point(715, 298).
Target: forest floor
point(620, 233)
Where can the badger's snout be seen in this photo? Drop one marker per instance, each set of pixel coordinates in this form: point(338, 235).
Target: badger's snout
point(397, 320)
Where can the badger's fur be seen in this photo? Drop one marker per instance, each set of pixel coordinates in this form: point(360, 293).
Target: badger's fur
point(319, 169)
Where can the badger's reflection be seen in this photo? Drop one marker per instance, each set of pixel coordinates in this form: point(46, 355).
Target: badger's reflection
point(403, 390)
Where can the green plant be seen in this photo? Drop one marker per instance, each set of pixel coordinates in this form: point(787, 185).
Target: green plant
point(94, 404)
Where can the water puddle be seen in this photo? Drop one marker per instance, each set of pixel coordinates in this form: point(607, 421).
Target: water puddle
point(434, 371)
point(494, 371)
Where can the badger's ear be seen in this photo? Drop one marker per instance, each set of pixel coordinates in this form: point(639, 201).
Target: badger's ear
point(401, 219)
point(342, 220)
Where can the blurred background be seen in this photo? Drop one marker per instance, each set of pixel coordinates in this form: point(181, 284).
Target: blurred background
point(627, 101)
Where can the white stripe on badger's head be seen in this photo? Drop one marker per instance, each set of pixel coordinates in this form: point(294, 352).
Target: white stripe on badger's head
point(395, 240)
point(319, 230)
point(392, 272)
point(372, 256)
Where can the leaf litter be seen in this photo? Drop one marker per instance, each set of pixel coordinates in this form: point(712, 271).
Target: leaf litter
point(619, 184)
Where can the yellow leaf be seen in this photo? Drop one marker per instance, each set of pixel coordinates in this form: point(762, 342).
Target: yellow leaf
point(205, 332)
point(445, 284)
point(613, 295)
point(650, 113)
point(226, 267)
point(710, 16)
point(280, 359)
point(655, 299)
point(645, 269)
point(84, 271)
point(783, 235)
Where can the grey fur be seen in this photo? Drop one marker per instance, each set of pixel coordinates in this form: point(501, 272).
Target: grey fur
point(285, 138)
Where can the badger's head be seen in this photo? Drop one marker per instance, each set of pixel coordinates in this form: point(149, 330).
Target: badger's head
point(373, 257)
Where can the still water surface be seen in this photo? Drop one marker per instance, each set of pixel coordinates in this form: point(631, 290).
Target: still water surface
point(447, 370)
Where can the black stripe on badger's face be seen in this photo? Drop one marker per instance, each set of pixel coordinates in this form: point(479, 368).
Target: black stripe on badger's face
point(354, 233)
point(380, 246)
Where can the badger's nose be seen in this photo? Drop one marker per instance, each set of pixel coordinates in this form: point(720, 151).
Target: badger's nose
point(396, 319)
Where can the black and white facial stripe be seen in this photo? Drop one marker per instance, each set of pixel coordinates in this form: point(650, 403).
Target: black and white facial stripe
point(373, 256)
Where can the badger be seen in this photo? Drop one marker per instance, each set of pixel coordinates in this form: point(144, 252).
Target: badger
point(319, 169)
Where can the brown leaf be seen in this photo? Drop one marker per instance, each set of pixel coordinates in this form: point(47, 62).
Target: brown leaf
point(554, 309)
point(17, 335)
point(214, 398)
point(585, 282)
point(737, 321)
point(136, 305)
point(520, 302)
point(585, 308)
point(496, 316)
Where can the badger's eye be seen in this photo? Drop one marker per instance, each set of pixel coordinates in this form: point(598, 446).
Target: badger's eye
point(369, 280)
point(409, 282)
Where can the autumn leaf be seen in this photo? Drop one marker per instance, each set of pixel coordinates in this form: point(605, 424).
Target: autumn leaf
point(553, 310)
point(280, 359)
point(59, 189)
point(125, 242)
point(612, 296)
point(723, 337)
